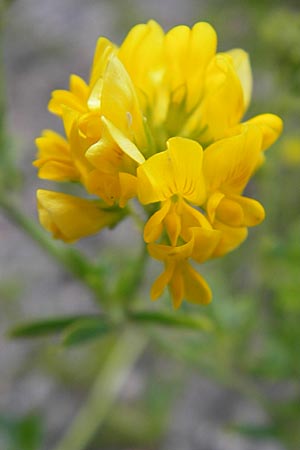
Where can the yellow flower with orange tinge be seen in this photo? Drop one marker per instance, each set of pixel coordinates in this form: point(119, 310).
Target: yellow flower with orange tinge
point(159, 122)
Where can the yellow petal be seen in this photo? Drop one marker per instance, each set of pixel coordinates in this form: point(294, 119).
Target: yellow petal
point(108, 158)
point(202, 48)
point(52, 143)
point(253, 211)
point(104, 185)
point(177, 287)
point(162, 281)
point(186, 157)
point(176, 171)
point(229, 163)
point(141, 54)
point(166, 252)
point(196, 290)
point(94, 100)
point(231, 237)
point(70, 218)
point(205, 242)
point(242, 66)
point(104, 50)
point(125, 144)
point(191, 217)
point(154, 226)
point(90, 126)
point(57, 171)
point(120, 105)
point(105, 154)
point(230, 212)
point(75, 99)
point(70, 118)
point(271, 127)
point(79, 88)
point(54, 159)
point(78, 145)
point(222, 105)
point(213, 203)
point(172, 223)
point(176, 47)
point(188, 52)
point(155, 179)
point(183, 280)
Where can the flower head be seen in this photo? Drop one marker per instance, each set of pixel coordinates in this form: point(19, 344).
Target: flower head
point(159, 120)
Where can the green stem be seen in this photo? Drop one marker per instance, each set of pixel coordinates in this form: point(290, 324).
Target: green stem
point(104, 392)
point(69, 258)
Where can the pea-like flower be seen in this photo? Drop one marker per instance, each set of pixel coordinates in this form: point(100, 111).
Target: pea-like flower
point(159, 122)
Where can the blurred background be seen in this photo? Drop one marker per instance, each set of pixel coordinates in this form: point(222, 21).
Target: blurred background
point(235, 390)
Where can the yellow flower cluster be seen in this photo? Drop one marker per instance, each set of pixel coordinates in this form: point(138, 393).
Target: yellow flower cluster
point(159, 121)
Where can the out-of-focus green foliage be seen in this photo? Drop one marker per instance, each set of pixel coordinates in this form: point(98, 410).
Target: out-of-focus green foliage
point(24, 433)
point(281, 31)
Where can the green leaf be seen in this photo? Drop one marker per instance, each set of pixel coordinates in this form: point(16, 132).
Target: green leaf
point(84, 331)
point(255, 431)
point(24, 433)
point(173, 320)
point(43, 327)
point(29, 433)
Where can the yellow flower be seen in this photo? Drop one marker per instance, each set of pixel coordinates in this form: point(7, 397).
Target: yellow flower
point(270, 126)
point(174, 178)
point(123, 136)
point(82, 97)
point(228, 165)
point(153, 87)
point(75, 99)
point(62, 159)
point(185, 87)
point(183, 280)
point(159, 120)
point(70, 218)
point(105, 119)
point(54, 158)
